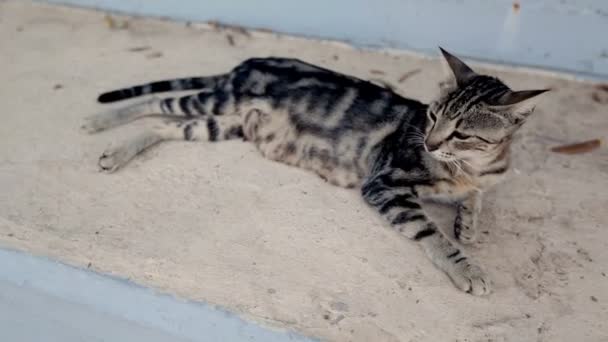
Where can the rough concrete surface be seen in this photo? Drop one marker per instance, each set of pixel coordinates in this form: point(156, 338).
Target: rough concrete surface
point(218, 223)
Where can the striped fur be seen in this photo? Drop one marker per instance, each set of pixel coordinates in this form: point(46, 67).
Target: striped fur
point(189, 83)
point(350, 132)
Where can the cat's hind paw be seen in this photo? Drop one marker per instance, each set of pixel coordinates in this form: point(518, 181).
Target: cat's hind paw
point(114, 158)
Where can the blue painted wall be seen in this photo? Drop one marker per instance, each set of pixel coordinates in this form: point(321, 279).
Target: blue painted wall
point(43, 300)
point(567, 35)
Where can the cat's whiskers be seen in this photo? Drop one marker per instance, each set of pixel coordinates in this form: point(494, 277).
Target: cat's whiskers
point(415, 138)
point(416, 129)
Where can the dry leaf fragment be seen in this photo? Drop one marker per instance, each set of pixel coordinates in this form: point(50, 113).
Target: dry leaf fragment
point(516, 6)
point(230, 39)
point(219, 26)
point(157, 54)
point(115, 24)
point(577, 148)
point(383, 83)
point(139, 48)
point(408, 75)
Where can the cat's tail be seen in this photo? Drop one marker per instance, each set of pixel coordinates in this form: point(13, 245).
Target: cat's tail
point(189, 83)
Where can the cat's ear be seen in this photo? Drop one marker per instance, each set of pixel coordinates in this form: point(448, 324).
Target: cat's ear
point(456, 69)
point(519, 104)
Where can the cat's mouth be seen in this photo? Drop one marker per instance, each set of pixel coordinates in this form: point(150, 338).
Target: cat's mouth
point(443, 156)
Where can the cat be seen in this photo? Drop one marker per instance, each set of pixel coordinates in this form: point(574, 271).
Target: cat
point(354, 134)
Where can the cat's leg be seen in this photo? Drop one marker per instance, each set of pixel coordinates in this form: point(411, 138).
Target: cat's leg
point(211, 101)
point(119, 116)
point(394, 195)
point(465, 225)
point(157, 129)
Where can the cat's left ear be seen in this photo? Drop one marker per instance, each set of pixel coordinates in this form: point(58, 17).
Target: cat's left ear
point(457, 70)
point(520, 104)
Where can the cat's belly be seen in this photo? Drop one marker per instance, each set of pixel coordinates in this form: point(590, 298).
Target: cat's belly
point(340, 162)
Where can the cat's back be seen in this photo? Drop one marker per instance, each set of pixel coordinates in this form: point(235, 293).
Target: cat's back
point(315, 118)
point(320, 96)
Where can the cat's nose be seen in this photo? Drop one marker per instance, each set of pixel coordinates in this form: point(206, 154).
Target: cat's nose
point(431, 146)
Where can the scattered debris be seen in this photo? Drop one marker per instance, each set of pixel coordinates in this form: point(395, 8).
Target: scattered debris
point(577, 148)
point(266, 30)
point(603, 87)
point(10, 234)
point(139, 48)
point(377, 72)
point(600, 95)
point(384, 84)
point(57, 86)
point(516, 6)
point(593, 298)
point(335, 57)
point(338, 319)
point(408, 75)
point(540, 329)
point(89, 265)
point(156, 54)
point(584, 254)
point(19, 28)
point(230, 39)
point(115, 24)
point(339, 306)
point(596, 98)
point(498, 321)
point(219, 26)
point(271, 291)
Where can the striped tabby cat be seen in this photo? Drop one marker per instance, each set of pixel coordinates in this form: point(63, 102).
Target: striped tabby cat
point(353, 134)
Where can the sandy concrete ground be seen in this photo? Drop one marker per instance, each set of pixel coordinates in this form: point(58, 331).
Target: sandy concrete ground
point(218, 223)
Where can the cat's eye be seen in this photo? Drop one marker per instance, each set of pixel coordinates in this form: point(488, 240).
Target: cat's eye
point(460, 136)
point(433, 116)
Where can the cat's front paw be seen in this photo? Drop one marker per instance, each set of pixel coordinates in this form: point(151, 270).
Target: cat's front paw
point(465, 229)
point(470, 278)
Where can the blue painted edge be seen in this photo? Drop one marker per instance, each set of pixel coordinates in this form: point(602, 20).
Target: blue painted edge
point(544, 34)
point(124, 299)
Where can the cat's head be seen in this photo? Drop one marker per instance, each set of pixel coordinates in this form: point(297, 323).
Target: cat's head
point(475, 115)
